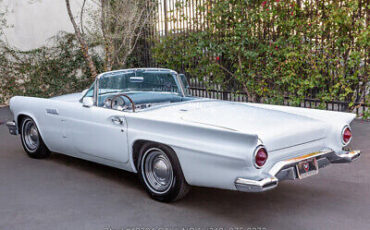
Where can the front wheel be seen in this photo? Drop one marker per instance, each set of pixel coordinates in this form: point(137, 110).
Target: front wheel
point(31, 139)
point(160, 173)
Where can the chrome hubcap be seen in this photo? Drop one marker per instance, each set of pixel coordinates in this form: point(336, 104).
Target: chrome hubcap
point(31, 135)
point(157, 170)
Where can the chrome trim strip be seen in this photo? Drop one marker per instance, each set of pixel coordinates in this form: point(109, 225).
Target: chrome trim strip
point(217, 126)
point(180, 85)
point(292, 146)
point(52, 111)
point(96, 90)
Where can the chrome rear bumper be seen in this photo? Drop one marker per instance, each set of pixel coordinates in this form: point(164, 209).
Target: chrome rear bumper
point(286, 170)
point(246, 185)
point(13, 130)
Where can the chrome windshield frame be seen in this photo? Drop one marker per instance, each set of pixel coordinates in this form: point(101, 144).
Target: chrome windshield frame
point(180, 85)
point(178, 81)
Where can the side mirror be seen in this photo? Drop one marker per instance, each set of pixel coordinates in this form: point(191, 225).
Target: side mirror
point(84, 92)
point(87, 102)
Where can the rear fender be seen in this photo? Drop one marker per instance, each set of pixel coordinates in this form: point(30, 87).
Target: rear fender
point(336, 120)
point(207, 155)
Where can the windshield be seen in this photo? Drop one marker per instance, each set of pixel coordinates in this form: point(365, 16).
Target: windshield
point(154, 81)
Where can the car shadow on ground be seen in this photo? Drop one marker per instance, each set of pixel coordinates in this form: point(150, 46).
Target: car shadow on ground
point(113, 174)
point(233, 205)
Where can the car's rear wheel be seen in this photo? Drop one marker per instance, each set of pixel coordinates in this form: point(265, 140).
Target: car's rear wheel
point(160, 173)
point(31, 139)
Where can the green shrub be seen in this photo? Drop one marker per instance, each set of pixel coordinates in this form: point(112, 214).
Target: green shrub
point(44, 72)
point(274, 49)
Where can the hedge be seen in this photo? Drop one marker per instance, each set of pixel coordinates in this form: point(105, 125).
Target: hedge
point(274, 49)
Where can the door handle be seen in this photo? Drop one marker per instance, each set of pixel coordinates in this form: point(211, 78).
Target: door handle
point(117, 120)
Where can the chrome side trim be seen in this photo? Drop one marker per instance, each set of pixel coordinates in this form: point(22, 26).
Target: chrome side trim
point(52, 111)
point(13, 130)
point(285, 170)
point(303, 143)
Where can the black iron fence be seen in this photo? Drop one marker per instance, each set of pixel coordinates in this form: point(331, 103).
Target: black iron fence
point(214, 91)
point(172, 19)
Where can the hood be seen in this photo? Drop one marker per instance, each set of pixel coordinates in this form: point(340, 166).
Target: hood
point(276, 129)
point(73, 97)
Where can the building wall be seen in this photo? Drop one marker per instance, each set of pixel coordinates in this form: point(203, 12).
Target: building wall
point(35, 21)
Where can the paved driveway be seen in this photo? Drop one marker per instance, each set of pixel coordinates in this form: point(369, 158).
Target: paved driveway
point(67, 193)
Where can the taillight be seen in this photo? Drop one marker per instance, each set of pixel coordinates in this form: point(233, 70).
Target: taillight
point(346, 135)
point(260, 157)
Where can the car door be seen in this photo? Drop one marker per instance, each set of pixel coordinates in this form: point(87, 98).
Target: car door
point(97, 131)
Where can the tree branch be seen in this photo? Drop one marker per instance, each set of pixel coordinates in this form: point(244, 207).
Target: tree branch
point(107, 41)
point(81, 40)
point(81, 17)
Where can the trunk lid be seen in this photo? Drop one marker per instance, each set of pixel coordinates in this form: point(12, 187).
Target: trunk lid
point(277, 129)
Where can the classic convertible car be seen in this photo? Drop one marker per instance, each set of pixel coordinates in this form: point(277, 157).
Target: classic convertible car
point(145, 121)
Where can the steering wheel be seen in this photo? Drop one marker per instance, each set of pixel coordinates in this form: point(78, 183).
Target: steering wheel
point(123, 95)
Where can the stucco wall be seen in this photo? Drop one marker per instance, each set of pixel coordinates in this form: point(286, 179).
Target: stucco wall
point(35, 21)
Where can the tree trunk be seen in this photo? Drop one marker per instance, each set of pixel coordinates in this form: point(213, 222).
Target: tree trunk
point(83, 44)
point(107, 40)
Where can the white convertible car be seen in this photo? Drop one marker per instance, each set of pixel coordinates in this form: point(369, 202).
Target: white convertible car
point(144, 121)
